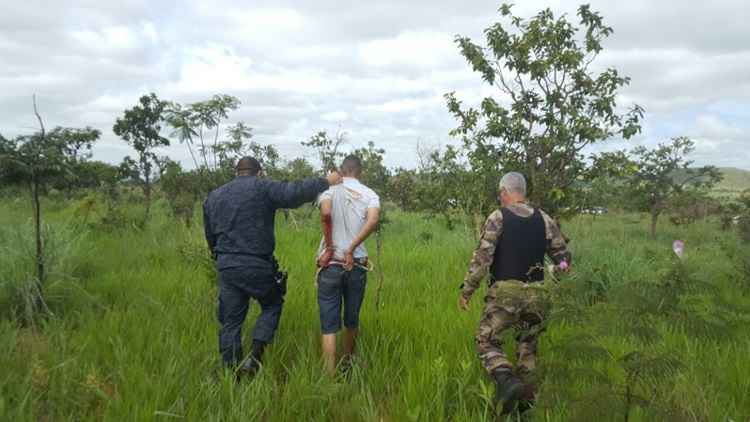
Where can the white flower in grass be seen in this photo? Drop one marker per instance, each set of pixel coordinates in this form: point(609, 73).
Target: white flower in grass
point(678, 246)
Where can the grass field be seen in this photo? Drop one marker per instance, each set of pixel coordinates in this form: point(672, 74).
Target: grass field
point(133, 336)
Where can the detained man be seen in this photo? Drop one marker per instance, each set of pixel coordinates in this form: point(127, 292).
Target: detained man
point(349, 214)
point(239, 226)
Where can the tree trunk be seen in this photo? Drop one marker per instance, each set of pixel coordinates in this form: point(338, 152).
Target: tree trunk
point(628, 402)
point(654, 218)
point(147, 195)
point(39, 247)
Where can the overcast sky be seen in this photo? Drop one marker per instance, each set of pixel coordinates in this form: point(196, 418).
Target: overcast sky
point(377, 70)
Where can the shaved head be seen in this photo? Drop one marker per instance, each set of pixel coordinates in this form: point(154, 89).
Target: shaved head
point(352, 166)
point(248, 165)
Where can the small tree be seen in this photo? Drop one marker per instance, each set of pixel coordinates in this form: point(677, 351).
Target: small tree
point(327, 149)
point(374, 173)
point(35, 161)
point(402, 188)
point(198, 125)
point(296, 169)
point(182, 189)
point(241, 144)
point(605, 180)
point(662, 173)
point(141, 127)
point(552, 104)
point(78, 143)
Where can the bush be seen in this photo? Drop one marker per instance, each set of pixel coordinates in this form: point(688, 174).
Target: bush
point(20, 293)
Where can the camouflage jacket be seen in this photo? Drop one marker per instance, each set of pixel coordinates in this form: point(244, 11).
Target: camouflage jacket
point(492, 230)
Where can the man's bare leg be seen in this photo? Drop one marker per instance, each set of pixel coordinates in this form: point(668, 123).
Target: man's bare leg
point(328, 344)
point(350, 341)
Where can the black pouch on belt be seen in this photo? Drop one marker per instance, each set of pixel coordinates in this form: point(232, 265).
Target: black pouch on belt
point(280, 277)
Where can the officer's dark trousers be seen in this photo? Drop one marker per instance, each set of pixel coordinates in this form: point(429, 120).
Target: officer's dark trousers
point(236, 287)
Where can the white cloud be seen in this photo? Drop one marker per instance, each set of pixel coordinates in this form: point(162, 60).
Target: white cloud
point(423, 49)
point(380, 68)
point(149, 31)
point(335, 116)
point(111, 37)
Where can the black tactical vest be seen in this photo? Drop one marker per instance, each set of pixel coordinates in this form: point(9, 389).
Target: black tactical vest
point(519, 254)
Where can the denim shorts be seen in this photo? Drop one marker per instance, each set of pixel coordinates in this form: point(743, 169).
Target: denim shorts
point(335, 285)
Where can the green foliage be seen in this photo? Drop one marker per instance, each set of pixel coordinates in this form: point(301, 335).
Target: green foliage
point(19, 290)
point(35, 162)
point(134, 337)
point(296, 169)
point(660, 175)
point(558, 106)
point(45, 157)
point(140, 127)
point(634, 314)
point(327, 148)
point(688, 206)
point(374, 173)
point(214, 153)
point(182, 190)
point(402, 189)
point(194, 125)
point(445, 186)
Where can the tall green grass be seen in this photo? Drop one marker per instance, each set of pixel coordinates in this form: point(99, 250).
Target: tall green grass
point(136, 339)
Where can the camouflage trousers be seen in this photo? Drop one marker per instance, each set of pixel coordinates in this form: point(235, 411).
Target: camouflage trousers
point(511, 304)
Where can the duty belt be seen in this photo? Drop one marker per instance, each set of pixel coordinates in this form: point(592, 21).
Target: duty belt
point(255, 255)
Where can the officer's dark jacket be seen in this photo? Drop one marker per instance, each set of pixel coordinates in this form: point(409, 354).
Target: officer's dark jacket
point(239, 216)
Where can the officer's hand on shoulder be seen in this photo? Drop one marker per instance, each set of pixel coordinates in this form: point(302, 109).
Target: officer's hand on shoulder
point(334, 178)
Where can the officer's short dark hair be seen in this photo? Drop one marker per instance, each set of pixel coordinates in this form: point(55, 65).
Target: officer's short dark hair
point(248, 164)
point(351, 165)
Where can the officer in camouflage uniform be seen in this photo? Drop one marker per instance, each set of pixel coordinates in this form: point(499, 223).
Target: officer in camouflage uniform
point(513, 243)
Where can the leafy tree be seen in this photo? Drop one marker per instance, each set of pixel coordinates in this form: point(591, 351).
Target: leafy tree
point(241, 145)
point(87, 175)
point(195, 124)
point(662, 173)
point(327, 149)
point(374, 173)
point(35, 161)
point(737, 212)
point(141, 127)
point(446, 185)
point(296, 169)
point(691, 205)
point(78, 143)
point(402, 188)
point(198, 125)
point(182, 189)
point(551, 105)
point(604, 181)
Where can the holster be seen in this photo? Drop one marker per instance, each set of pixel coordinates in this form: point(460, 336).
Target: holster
point(280, 277)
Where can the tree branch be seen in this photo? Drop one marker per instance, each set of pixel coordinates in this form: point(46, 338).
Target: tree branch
point(36, 112)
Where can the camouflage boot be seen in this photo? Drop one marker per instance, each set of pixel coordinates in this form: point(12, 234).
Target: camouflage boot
point(528, 396)
point(508, 390)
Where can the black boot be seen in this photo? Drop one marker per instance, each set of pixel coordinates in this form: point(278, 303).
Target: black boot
point(252, 364)
point(508, 390)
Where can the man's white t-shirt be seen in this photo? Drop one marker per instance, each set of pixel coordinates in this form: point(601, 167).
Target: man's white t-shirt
point(349, 204)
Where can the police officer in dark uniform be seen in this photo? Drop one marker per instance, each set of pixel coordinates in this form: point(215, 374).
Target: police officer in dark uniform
point(239, 224)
